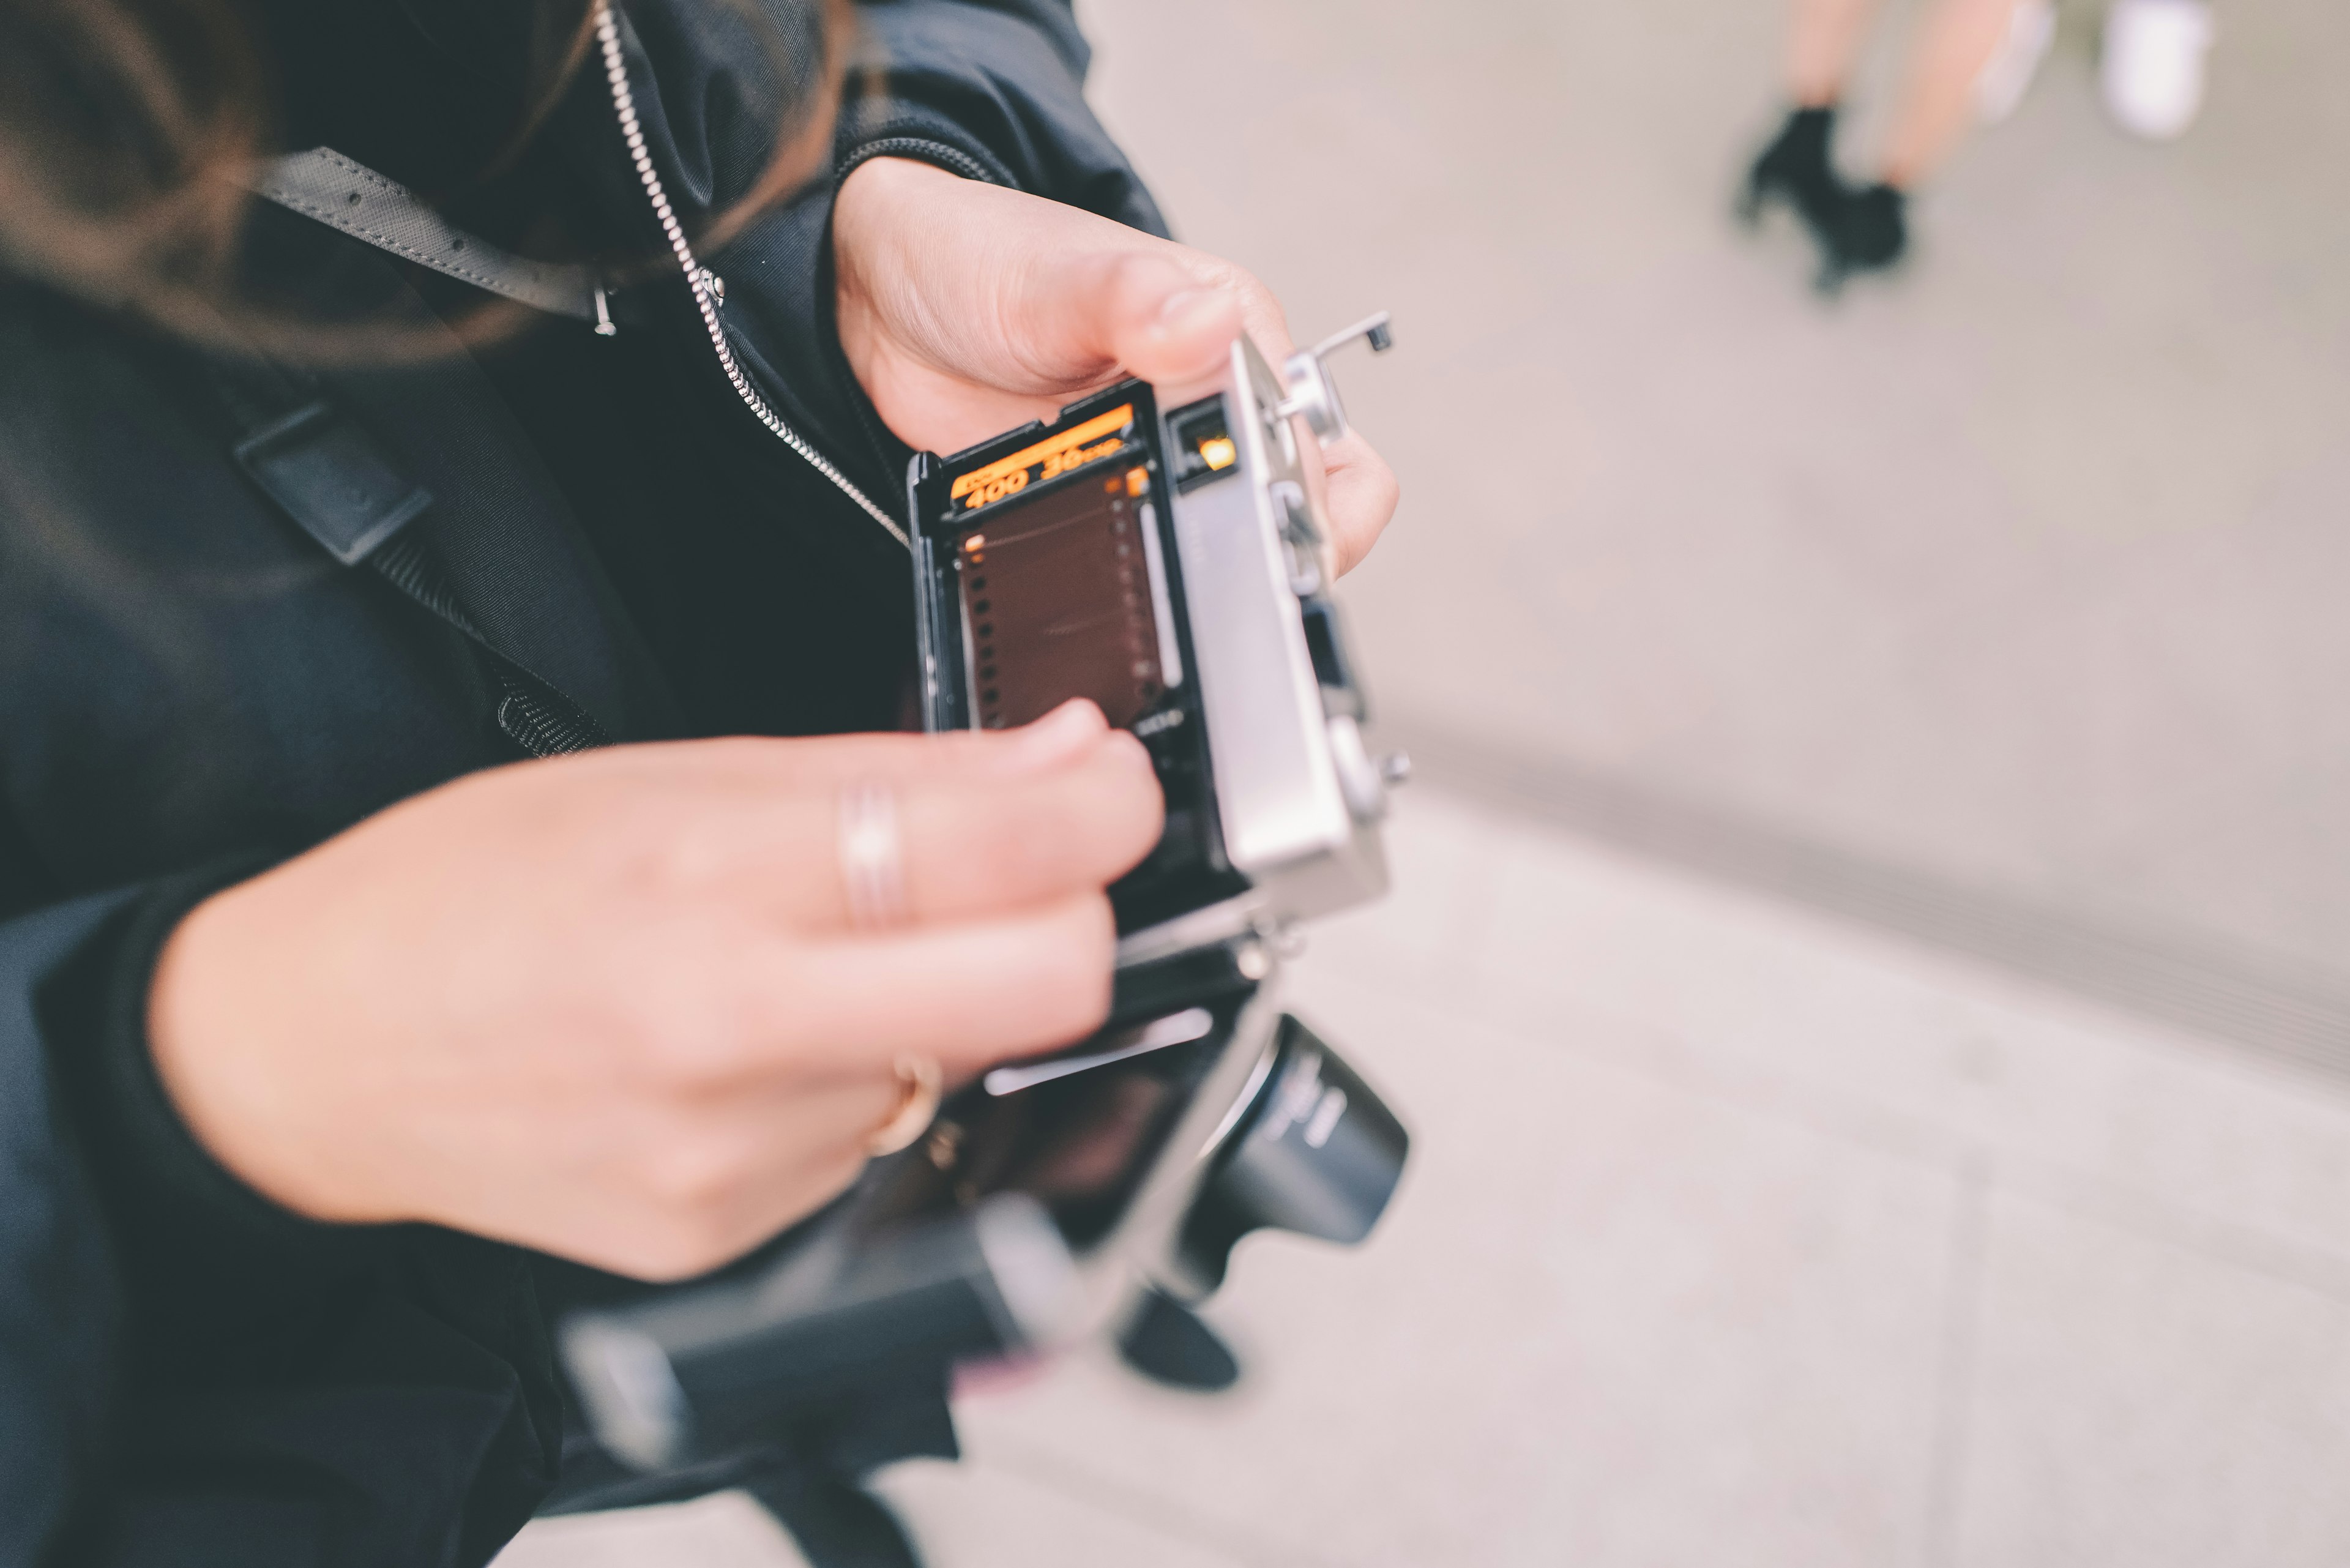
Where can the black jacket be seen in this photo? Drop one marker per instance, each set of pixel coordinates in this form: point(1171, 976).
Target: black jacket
point(192, 688)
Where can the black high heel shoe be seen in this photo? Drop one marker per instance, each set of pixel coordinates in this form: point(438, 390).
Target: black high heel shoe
point(1794, 169)
point(1855, 230)
point(1872, 233)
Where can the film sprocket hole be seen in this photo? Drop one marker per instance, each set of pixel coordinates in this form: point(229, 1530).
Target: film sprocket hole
point(1174, 566)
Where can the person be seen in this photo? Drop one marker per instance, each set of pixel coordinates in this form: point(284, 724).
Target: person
point(1973, 59)
point(2152, 68)
point(407, 930)
point(2152, 59)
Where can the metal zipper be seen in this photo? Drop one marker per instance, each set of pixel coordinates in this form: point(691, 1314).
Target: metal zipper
point(624, 104)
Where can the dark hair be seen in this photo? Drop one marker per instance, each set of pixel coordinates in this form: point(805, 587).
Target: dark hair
point(125, 125)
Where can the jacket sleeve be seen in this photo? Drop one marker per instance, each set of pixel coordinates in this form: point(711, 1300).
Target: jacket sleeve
point(60, 1280)
point(190, 1375)
point(993, 91)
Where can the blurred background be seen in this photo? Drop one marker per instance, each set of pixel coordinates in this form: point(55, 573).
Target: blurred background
point(1870, 970)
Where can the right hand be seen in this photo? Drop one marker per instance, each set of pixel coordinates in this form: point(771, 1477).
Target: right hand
point(966, 308)
point(609, 1006)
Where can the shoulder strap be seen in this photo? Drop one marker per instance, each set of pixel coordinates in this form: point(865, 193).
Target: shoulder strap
point(351, 198)
point(325, 185)
point(329, 474)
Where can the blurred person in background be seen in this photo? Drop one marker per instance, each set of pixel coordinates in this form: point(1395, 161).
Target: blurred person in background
point(342, 1042)
point(1972, 60)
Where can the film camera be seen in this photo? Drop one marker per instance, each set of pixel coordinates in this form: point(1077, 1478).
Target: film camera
point(1174, 566)
point(1174, 570)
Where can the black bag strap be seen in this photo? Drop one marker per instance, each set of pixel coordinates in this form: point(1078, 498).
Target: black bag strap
point(340, 485)
point(344, 194)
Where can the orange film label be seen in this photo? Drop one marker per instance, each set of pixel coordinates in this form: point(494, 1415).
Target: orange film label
point(1102, 436)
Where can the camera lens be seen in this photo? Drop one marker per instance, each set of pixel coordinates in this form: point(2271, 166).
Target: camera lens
point(1318, 1154)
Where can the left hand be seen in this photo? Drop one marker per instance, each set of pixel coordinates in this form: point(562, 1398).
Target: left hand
point(967, 310)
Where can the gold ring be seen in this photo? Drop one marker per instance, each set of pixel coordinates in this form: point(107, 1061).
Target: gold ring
point(920, 1080)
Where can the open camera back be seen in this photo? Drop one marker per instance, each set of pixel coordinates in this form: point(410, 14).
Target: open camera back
point(1174, 566)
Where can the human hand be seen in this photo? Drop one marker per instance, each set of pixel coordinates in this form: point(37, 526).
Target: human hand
point(966, 309)
point(610, 1006)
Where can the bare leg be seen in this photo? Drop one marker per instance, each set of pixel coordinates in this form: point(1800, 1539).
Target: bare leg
point(1938, 103)
point(1822, 45)
point(1855, 230)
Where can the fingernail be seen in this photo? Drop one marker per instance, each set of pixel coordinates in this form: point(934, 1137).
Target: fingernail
point(1057, 736)
point(1181, 304)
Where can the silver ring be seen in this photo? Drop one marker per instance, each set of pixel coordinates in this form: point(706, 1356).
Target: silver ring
point(872, 856)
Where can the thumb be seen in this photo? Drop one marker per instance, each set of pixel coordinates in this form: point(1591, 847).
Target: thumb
point(1143, 312)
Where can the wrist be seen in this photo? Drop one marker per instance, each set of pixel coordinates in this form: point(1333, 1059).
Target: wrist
point(869, 218)
point(167, 1191)
point(210, 1021)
